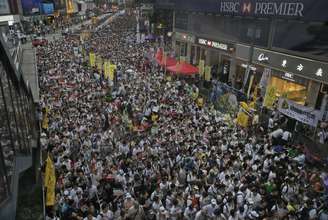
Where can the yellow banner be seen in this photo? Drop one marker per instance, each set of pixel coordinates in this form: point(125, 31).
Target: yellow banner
point(50, 182)
point(45, 119)
point(106, 69)
point(270, 96)
point(99, 63)
point(208, 73)
point(112, 68)
point(92, 58)
point(201, 67)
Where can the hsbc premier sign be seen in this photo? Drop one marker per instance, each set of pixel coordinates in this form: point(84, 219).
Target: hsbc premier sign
point(292, 9)
point(307, 10)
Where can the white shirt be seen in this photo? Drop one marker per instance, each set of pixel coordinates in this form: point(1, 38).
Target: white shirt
point(277, 133)
point(286, 135)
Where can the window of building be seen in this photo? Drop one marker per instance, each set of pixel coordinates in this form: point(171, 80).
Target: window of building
point(11, 112)
point(7, 154)
point(309, 38)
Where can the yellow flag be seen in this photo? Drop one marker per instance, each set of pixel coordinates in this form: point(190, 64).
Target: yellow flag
point(201, 67)
point(92, 58)
point(106, 70)
point(99, 63)
point(207, 73)
point(45, 119)
point(112, 68)
point(50, 182)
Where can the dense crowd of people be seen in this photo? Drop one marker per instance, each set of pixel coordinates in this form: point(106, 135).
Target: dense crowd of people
point(142, 148)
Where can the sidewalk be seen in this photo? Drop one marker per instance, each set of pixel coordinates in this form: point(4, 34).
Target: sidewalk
point(30, 71)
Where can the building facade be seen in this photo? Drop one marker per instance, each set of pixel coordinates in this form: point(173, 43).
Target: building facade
point(19, 149)
point(255, 44)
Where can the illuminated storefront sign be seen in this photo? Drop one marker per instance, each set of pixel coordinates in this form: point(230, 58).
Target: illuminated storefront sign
point(291, 65)
point(215, 44)
point(291, 9)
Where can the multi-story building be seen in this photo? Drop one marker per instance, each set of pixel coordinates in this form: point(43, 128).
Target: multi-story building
point(19, 134)
point(250, 44)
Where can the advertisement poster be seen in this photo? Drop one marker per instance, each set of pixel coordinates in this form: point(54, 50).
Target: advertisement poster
point(47, 8)
point(31, 6)
point(300, 113)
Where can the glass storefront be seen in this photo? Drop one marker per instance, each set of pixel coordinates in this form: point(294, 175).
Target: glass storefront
point(293, 91)
point(181, 49)
point(197, 53)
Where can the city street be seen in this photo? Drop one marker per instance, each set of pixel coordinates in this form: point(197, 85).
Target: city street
point(130, 142)
point(163, 110)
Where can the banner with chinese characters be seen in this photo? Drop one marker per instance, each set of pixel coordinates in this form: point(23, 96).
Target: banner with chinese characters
point(292, 65)
point(300, 113)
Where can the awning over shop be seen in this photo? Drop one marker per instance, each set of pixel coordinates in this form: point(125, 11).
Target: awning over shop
point(167, 61)
point(164, 60)
point(183, 69)
point(159, 54)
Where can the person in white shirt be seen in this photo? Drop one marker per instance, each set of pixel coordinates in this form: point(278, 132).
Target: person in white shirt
point(286, 136)
point(106, 213)
point(270, 123)
point(276, 136)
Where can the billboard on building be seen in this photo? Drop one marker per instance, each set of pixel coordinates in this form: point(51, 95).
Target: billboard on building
point(4, 7)
point(290, 9)
point(47, 8)
point(31, 6)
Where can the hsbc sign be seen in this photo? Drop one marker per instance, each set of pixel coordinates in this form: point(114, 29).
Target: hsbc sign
point(292, 9)
point(307, 10)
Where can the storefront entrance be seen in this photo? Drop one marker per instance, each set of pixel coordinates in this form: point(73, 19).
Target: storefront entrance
point(293, 91)
point(197, 53)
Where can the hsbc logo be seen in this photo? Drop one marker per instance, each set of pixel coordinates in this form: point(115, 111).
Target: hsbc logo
point(247, 8)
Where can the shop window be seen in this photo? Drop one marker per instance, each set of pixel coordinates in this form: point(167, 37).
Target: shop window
point(18, 116)
point(291, 90)
point(183, 49)
point(239, 77)
point(11, 112)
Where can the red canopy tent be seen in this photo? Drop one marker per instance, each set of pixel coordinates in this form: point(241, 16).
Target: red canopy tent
point(166, 61)
point(159, 54)
point(163, 60)
point(183, 69)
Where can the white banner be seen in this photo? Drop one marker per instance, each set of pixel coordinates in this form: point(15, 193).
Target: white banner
point(300, 113)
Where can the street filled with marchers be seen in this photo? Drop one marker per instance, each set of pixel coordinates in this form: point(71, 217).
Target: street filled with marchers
point(142, 146)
